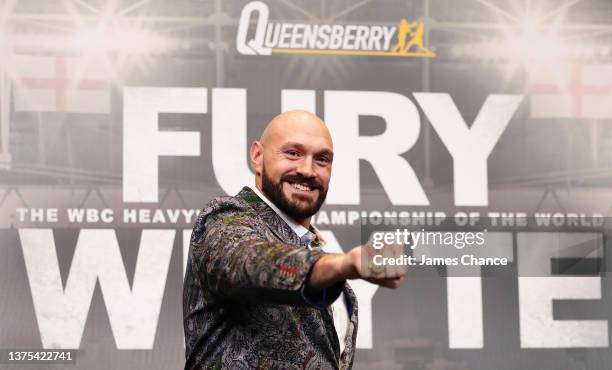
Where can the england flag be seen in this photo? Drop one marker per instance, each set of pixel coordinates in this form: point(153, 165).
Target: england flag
point(571, 91)
point(61, 84)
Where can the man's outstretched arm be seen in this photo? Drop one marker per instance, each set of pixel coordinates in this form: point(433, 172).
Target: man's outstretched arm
point(230, 258)
point(234, 261)
point(357, 264)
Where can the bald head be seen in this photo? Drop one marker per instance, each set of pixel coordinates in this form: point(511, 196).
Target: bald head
point(292, 162)
point(293, 121)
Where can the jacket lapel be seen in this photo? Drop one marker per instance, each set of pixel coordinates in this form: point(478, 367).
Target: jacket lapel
point(275, 223)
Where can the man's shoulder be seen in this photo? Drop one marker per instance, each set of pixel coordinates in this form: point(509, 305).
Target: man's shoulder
point(225, 203)
point(222, 205)
point(227, 209)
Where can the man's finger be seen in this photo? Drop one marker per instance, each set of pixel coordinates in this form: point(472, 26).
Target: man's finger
point(370, 268)
point(394, 252)
point(388, 253)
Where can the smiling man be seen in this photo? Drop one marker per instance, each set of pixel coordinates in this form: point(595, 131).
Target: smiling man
point(258, 286)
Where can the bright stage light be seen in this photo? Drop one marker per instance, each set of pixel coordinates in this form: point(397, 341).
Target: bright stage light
point(109, 41)
point(122, 41)
point(90, 41)
point(119, 39)
point(528, 41)
point(531, 37)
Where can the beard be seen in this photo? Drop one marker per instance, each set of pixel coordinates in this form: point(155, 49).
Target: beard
point(274, 191)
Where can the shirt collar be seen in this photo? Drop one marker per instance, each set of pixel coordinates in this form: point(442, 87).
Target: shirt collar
point(302, 232)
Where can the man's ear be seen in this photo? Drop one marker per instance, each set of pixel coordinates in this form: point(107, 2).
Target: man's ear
point(256, 156)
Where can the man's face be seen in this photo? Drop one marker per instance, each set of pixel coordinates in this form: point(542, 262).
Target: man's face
point(296, 170)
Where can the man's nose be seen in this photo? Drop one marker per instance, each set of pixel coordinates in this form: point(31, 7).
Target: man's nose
point(305, 168)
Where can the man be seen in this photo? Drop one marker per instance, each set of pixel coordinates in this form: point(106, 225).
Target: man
point(258, 287)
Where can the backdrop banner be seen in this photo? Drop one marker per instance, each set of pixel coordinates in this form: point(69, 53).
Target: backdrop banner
point(454, 123)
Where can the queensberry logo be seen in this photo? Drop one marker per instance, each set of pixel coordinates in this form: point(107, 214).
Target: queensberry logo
point(404, 40)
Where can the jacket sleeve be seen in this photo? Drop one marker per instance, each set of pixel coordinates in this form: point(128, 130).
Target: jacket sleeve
point(233, 260)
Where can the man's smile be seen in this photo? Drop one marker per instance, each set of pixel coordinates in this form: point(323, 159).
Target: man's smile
point(301, 188)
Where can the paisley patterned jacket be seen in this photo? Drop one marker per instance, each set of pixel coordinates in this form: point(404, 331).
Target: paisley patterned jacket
point(244, 299)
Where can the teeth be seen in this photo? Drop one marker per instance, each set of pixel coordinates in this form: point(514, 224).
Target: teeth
point(300, 187)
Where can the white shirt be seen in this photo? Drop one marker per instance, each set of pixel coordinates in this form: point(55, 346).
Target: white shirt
point(339, 309)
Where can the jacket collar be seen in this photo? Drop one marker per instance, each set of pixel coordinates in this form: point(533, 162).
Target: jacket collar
point(299, 229)
point(277, 221)
point(274, 221)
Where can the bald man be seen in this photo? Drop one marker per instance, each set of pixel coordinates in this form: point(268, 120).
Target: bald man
point(258, 287)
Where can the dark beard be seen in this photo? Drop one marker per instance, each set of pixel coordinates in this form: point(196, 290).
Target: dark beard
point(275, 193)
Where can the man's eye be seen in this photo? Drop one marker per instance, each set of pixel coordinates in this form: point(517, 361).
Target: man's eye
point(292, 153)
point(324, 160)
